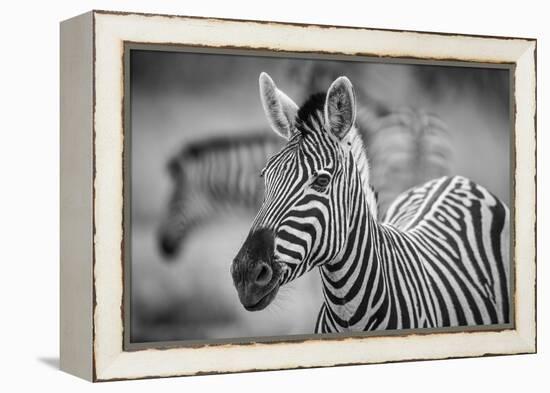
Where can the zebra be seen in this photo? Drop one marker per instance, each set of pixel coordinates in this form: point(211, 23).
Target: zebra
point(439, 258)
point(217, 174)
point(213, 176)
point(406, 148)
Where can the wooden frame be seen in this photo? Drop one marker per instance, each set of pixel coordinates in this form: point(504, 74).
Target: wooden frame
point(92, 190)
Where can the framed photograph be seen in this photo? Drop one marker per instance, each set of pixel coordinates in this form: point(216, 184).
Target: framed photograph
point(249, 195)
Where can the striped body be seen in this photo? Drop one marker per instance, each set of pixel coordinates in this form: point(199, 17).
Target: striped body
point(439, 257)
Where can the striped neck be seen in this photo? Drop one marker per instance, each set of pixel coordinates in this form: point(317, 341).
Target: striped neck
point(349, 281)
point(357, 270)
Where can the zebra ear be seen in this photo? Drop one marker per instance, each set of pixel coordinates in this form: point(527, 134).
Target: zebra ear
point(278, 107)
point(340, 107)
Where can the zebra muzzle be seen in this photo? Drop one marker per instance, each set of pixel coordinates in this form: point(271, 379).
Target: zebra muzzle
point(255, 275)
point(168, 244)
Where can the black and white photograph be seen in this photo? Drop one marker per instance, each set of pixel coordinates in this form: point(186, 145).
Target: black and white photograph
point(278, 196)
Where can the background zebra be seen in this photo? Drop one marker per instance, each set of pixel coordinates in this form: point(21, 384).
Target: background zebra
point(220, 174)
point(210, 177)
point(441, 257)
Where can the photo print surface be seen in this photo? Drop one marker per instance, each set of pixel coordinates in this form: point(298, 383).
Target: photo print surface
point(286, 196)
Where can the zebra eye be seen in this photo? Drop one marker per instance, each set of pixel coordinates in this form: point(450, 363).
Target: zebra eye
point(322, 180)
point(262, 172)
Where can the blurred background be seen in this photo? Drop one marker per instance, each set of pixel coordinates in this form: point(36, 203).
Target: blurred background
point(418, 122)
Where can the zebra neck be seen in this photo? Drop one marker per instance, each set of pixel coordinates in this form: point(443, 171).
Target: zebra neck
point(350, 281)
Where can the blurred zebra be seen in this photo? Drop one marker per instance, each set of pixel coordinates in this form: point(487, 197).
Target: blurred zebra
point(407, 147)
point(210, 177)
point(440, 258)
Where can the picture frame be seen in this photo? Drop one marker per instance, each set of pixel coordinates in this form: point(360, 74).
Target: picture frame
point(94, 193)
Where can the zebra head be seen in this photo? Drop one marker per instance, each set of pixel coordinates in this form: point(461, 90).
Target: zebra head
point(303, 220)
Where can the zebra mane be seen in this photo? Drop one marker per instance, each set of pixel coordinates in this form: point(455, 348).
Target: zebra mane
point(359, 154)
point(310, 114)
point(314, 103)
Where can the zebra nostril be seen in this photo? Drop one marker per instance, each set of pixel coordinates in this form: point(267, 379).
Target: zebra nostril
point(262, 274)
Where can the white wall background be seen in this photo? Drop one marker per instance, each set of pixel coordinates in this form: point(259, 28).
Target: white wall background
point(29, 198)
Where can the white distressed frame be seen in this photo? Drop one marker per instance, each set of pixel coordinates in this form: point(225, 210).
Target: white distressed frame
point(110, 32)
